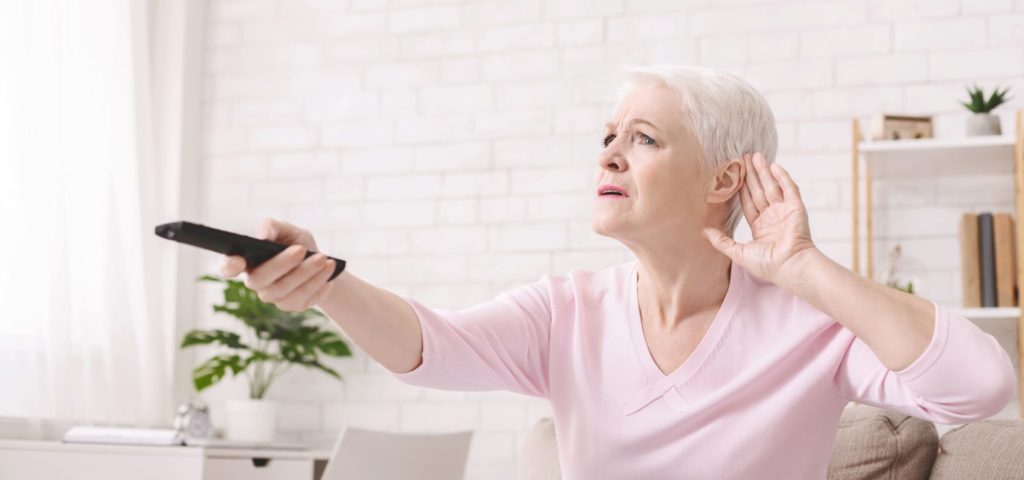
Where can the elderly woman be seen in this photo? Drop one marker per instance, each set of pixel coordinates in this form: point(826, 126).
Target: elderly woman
point(704, 357)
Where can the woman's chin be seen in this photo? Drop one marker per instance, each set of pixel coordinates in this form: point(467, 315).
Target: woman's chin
point(604, 226)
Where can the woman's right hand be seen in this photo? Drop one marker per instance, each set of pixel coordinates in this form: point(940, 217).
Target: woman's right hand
point(288, 280)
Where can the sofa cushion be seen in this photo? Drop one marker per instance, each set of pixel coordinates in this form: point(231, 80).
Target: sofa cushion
point(873, 443)
point(870, 443)
point(538, 457)
point(990, 449)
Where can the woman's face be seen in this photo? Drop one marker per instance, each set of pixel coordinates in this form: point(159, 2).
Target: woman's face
point(657, 164)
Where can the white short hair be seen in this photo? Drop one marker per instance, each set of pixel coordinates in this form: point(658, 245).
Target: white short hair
point(726, 114)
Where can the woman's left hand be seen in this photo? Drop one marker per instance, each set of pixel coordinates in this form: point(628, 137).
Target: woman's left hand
point(778, 224)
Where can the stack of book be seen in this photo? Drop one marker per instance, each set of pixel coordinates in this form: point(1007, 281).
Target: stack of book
point(987, 259)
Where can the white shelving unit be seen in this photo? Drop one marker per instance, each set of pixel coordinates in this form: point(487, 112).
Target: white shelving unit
point(944, 157)
point(977, 313)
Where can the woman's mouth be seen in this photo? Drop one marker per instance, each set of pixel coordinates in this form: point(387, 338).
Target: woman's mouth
point(611, 191)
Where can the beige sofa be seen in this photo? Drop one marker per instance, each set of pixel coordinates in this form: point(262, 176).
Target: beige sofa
point(871, 444)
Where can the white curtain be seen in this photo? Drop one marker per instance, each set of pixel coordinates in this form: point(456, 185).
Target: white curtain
point(86, 321)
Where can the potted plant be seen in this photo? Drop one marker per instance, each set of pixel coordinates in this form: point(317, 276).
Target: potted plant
point(982, 122)
point(276, 341)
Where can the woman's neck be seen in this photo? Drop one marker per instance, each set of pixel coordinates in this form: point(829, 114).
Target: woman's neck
point(678, 283)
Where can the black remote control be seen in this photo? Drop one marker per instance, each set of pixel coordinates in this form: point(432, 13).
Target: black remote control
point(254, 250)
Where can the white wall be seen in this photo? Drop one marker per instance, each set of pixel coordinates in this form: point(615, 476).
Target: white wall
point(446, 148)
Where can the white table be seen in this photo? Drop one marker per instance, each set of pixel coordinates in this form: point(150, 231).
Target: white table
point(46, 460)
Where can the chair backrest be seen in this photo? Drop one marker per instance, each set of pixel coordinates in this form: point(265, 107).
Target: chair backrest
point(377, 455)
point(538, 455)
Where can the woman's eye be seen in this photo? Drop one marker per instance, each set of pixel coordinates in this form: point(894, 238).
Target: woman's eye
point(643, 137)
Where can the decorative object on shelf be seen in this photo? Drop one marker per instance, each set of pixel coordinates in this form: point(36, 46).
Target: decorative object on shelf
point(193, 420)
point(278, 339)
point(902, 272)
point(982, 122)
point(901, 127)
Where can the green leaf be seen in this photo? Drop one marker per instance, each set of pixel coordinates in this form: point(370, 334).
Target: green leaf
point(331, 344)
point(282, 336)
point(997, 98)
point(206, 337)
point(979, 104)
point(324, 368)
point(213, 370)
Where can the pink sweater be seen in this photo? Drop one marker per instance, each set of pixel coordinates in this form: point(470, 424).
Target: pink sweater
point(760, 397)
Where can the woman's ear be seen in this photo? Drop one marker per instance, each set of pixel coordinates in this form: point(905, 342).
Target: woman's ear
point(727, 182)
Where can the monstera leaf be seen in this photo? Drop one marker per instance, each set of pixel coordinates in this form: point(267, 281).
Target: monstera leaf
point(279, 340)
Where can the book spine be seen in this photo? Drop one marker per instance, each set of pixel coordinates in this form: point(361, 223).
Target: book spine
point(1006, 270)
point(986, 246)
point(969, 268)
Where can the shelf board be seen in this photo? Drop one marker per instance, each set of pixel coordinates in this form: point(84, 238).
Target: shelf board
point(988, 155)
point(954, 143)
point(977, 313)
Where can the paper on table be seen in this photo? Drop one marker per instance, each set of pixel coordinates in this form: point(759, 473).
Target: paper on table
point(123, 435)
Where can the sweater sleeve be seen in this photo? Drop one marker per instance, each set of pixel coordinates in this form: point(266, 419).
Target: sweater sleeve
point(963, 375)
point(501, 344)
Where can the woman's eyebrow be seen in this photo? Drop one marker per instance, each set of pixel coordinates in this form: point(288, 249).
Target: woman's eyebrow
point(610, 125)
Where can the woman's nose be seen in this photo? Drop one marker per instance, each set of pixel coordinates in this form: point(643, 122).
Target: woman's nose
point(611, 158)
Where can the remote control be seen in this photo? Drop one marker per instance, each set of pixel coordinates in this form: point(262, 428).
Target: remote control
point(254, 250)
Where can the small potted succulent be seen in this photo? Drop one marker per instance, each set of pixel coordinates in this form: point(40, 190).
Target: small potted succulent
point(276, 340)
point(982, 122)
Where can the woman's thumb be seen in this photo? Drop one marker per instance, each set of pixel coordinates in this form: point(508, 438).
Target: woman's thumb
point(269, 229)
point(722, 242)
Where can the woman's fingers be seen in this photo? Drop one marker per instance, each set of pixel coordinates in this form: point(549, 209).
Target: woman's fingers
point(281, 231)
point(289, 282)
point(747, 203)
point(232, 266)
point(791, 189)
point(771, 187)
point(268, 272)
point(269, 229)
point(290, 279)
point(320, 292)
point(308, 294)
point(754, 184)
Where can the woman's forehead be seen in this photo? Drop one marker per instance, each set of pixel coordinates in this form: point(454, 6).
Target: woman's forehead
point(657, 105)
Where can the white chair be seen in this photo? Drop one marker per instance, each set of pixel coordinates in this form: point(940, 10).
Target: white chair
point(375, 455)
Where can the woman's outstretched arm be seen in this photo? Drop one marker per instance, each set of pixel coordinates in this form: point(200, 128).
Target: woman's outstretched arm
point(378, 321)
point(501, 344)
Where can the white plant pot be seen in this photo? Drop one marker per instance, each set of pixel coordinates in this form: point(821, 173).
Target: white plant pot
point(983, 124)
point(251, 420)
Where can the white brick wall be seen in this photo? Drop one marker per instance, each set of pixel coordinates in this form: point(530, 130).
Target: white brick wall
point(446, 148)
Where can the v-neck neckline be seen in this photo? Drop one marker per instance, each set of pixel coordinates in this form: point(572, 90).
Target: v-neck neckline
point(707, 343)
